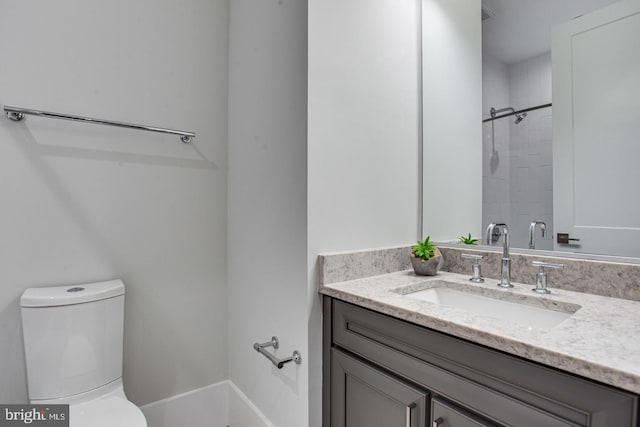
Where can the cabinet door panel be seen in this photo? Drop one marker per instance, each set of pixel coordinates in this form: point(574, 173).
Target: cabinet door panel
point(365, 396)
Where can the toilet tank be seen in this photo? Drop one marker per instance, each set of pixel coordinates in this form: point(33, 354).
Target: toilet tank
point(72, 337)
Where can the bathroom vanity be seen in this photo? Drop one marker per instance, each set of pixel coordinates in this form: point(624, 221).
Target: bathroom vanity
point(395, 356)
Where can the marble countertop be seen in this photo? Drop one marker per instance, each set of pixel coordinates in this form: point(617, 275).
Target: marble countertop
point(600, 340)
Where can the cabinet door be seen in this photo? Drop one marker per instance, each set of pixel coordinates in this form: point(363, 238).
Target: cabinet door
point(444, 414)
point(363, 396)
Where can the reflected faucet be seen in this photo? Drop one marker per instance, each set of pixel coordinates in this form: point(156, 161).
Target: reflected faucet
point(505, 280)
point(532, 232)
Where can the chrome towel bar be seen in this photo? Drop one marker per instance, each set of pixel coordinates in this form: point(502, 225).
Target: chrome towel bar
point(17, 114)
point(260, 348)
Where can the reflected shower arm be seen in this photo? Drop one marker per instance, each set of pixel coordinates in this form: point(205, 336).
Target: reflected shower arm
point(494, 112)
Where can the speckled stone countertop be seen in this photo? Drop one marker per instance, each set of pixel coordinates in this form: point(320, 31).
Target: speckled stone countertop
point(600, 340)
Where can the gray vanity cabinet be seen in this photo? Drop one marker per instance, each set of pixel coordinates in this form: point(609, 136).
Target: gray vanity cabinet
point(365, 396)
point(379, 368)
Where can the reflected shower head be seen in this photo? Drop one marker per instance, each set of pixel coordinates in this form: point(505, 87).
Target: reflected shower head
point(520, 117)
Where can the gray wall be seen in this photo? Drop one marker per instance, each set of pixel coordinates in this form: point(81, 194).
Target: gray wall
point(363, 139)
point(85, 203)
point(268, 203)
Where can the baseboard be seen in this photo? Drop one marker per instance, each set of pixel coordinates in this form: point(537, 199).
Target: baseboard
point(217, 405)
point(203, 407)
point(242, 412)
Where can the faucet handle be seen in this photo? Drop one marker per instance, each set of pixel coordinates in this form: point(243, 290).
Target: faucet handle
point(541, 276)
point(542, 264)
point(475, 266)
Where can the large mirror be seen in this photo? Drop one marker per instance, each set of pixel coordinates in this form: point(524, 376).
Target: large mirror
point(560, 125)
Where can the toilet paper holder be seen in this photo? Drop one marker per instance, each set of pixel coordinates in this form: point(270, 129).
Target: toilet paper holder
point(279, 363)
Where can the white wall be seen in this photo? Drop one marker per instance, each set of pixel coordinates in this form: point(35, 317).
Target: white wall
point(84, 203)
point(363, 138)
point(363, 123)
point(452, 106)
point(268, 203)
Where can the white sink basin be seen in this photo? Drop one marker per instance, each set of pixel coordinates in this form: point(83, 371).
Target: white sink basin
point(506, 311)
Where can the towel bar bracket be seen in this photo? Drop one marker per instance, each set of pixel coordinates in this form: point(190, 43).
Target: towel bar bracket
point(15, 116)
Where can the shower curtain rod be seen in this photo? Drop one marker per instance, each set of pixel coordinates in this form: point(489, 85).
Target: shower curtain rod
point(524, 110)
point(17, 114)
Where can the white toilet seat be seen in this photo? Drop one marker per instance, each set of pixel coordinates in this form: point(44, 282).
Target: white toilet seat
point(112, 411)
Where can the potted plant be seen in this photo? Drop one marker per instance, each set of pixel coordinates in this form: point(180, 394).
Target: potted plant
point(426, 258)
point(468, 240)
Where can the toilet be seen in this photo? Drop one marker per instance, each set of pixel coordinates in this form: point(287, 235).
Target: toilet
point(73, 349)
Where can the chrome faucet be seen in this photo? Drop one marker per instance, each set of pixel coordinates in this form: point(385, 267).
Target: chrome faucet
point(532, 232)
point(505, 280)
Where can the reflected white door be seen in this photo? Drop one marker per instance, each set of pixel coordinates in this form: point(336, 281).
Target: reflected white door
point(596, 131)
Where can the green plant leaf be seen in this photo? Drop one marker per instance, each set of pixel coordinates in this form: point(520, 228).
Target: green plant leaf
point(424, 249)
point(468, 240)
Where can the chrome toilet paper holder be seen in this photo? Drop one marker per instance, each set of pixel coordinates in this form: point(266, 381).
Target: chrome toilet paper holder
point(279, 363)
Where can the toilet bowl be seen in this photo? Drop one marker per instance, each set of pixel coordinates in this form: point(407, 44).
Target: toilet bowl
point(106, 406)
point(73, 338)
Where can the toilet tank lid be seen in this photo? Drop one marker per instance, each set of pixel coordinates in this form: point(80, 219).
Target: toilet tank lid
point(71, 294)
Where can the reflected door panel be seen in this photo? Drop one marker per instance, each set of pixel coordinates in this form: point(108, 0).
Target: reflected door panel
point(596, 96)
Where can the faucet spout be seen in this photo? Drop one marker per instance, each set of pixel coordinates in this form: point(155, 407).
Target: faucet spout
point(505, 279)
point(532, 232)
